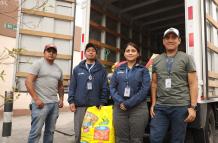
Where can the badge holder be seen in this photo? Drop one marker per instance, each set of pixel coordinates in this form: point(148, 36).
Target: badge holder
point(168, 83)
point(89, 83)
point(127, 91)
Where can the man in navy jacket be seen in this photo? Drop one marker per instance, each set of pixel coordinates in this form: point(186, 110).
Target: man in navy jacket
point(88, 87)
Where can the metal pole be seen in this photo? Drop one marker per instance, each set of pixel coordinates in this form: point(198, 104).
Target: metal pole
point(7, 116)
point(74, 34)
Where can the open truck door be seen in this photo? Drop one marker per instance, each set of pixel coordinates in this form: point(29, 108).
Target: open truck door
point(202, 43)
point(113, 23)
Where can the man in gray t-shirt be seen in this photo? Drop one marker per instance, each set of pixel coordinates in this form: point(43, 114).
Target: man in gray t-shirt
point(44, 81)
point(173, 91)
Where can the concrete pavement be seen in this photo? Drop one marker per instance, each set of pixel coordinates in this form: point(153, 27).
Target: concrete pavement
point(64, 129)
point(21, 125)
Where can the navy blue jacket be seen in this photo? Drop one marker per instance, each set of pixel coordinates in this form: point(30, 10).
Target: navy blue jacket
point(138, 81)
point(78, 93)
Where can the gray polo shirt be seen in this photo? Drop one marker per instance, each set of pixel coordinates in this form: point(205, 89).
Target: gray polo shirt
point(46, 84)
point(178, 94)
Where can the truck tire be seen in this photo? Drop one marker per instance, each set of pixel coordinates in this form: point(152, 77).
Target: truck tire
point(210, 127)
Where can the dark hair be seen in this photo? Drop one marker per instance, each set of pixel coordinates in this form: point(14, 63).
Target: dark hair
point(133, 45)
point(90, 45)
point(136, 47)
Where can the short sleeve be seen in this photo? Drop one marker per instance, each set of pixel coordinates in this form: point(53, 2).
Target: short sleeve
point(154, 68)
point(34, 69)
point(62, 77)
point(191, 67)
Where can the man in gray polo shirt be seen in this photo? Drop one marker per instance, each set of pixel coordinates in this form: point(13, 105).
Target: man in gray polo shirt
point(173, 91)
point(44, 81)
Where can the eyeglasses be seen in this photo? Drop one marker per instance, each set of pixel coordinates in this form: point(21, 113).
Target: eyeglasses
point(49, 50)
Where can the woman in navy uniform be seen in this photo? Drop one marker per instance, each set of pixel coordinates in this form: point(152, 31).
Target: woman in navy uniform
point(129, 87)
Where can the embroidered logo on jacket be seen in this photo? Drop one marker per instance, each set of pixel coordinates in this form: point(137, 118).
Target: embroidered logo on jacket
point(120, 72)
point(81, 73)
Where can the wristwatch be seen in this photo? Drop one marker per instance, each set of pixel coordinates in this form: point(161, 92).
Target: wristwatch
point(193, 107)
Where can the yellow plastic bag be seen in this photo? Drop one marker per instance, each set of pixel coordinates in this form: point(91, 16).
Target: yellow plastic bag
point(97, 125)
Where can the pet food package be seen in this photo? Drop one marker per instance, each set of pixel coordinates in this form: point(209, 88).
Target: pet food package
point(97, 125)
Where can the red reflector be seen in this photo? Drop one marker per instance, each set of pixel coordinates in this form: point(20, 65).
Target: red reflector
point(191, 39)
point(190, 13)
point(83, 38)
point(81, 55)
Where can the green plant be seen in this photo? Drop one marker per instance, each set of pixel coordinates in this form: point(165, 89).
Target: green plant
point(8, 57)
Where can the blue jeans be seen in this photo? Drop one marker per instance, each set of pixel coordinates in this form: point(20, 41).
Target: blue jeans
point(47, 115)
point(165, 117)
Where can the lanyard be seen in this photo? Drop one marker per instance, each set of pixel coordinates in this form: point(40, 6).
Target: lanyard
point(126, 77)
point(169, 64)
point(89, 69)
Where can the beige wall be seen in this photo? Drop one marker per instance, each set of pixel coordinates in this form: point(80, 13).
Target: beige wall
point(6, 84)
point(22, 101)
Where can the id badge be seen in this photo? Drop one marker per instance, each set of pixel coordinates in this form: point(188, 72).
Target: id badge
point(89, 85)
point(168, 83)
point(127, 92)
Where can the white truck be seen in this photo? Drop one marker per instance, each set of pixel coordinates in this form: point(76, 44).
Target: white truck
point(109, 24)
point(197, 21)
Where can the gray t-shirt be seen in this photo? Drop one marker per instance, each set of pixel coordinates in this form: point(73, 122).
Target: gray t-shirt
point(46, 84)
point(178, 94)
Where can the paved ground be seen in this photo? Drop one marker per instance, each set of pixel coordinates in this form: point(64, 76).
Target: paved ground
point(21, 126)
point(64, 129)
